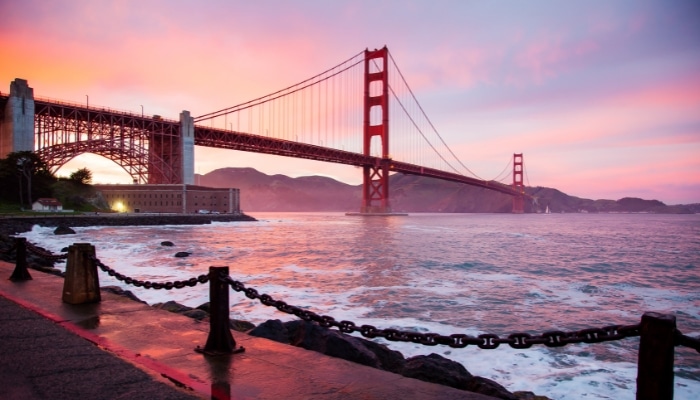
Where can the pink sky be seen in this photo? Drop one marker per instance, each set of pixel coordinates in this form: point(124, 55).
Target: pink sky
point(603, 98)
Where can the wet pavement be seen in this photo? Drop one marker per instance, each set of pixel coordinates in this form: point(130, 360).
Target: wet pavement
point(120, 348)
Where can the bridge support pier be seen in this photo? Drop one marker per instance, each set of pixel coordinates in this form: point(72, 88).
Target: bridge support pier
point(375, 189)
point(187, 147)
point(518, 201)
point(375, 178)
point(17, 124)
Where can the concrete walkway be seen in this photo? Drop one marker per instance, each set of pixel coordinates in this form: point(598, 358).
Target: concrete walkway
point(150, 354)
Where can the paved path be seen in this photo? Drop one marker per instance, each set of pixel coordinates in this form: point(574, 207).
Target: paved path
point(43, 360)
point(53, 350)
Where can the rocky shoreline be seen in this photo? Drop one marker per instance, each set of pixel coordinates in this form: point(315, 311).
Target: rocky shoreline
point(309, 335)
point(15, 225)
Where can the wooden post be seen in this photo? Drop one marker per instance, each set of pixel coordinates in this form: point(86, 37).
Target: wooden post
point(20, 273)
point(220, 341)
point(81, 283)
point(656, 351)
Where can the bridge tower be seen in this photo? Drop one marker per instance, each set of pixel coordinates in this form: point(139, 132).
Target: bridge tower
point(17, 122)
point(375, 178)
point(518, 201)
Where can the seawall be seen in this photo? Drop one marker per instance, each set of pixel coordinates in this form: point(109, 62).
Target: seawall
point(13, 225)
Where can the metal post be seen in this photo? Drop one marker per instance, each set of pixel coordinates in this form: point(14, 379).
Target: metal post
point(656, 351)
point(20, 273)
point(220, 341)
point(81, 283)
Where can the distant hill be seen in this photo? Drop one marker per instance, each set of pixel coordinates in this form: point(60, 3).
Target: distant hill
point(261, 192)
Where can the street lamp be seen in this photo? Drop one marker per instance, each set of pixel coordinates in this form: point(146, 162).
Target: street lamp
point(87, 101)
point(141, 110)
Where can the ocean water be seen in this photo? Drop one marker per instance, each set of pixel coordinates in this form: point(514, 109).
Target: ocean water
point(447, 273)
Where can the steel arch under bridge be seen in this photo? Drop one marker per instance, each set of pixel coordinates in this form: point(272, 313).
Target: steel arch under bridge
point(147, 148)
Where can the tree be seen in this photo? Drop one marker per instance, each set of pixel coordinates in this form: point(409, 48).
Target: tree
point(82, 176)
point(25, 174)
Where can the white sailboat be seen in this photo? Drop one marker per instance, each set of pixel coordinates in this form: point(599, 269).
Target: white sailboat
point(546, 210)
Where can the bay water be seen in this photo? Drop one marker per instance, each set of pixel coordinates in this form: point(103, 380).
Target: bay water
point(445, 273)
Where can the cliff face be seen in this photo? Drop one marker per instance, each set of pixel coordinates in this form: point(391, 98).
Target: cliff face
point(261, 192)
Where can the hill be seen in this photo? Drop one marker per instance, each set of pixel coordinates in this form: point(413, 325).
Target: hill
point(280, 193)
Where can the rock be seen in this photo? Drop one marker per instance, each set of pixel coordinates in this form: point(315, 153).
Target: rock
point(122, 292)
point(63, 230)
point(521, 395)
point(172, 306)
point(431, 368)
point(167, 243)
point(490, 388)
point(437, 369)
point(182, 254)
point(240, 325)
point(272, 329)
point(311, 336)
point(196, 314)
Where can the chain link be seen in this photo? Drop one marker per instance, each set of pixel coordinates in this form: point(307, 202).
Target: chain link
point(10, 250)
point(687, 341)
point(45, 253)
point(194, 281)
point(518, 340)
point(483, 341)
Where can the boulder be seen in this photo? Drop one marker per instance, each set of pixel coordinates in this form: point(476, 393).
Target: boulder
point(182, 254)
point(437, 369)
point(522, 395)
point(311, 336)
point(121, 292)
point(272, 329)
point(63, 230)
point(490, 388)
point(240, 325)
point(172, 306)
point(167, 243)
point(196, 314)
point(431, 368)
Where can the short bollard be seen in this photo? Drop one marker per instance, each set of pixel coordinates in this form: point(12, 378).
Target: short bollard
point(656, 351)
point(220, 341)
point(81, 283)
point(20, 273)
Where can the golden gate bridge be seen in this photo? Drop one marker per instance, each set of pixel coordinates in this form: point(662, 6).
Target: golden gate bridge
point(341, 115)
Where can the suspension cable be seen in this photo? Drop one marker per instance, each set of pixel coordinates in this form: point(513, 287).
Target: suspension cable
point(428, 119)
point(498, 177)
point(240, 106)
point(527, 179)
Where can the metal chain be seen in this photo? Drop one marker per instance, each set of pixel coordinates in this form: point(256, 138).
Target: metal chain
point(11, 249)
point(687, 341)
point(484, 341)
point(148, 284)
point(45, 253)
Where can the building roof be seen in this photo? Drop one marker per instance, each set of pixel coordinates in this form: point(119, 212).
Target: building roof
point(48, 201)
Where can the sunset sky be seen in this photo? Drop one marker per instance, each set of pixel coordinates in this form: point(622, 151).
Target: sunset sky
point(602, 97)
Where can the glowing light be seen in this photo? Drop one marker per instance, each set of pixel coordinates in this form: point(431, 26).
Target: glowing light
point(119, 206)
